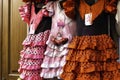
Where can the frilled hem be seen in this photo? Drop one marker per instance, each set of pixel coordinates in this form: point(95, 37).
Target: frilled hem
point(30, 75)
point(51, 73)
point(53, 62)
point(32, 52)
point(36, 39)
point(30, 64)
point(105, 75)
point(90, 57)
point(22, 76)
point(55, 53)
point(53, 46)
point(99, 42)
point(88, 67)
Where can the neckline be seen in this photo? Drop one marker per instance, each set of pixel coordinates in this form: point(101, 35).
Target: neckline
point(90, 5)
point(95, 8)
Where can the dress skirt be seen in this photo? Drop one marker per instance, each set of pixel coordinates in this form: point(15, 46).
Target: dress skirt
point(92, 58)
point(31, 57)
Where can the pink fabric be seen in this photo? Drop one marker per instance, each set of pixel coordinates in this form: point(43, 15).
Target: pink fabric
point(29, 16)
point(41, 38)
point(29, 40)
point(33, 53)
point(36, 18)
point(30, 75)
point(47, 73)
point(30, 64)
point(36, 39)
point(33, 46)
point(55, 55)
point(25, 12)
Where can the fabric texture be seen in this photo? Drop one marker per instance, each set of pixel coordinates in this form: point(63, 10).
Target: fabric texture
point(34, 46)
point(92, 53)
point(62, 27)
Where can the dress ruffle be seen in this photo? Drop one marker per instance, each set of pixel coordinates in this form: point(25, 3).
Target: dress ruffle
point(33, 52)
point(87, 67)
point(36, 39)
point(91, 55)
point(91, 58)
point(53, 62)
point(51, 73)
point(53, 46)
point(30, 75)
point(32, 55)
point(100, 42)
point(55, 52)
point(30, 64)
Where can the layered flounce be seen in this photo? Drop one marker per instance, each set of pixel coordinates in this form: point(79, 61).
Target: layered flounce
point(36, 39)
point(31, 57)
point(51, 72)
point(54, 60)
point(92, 58)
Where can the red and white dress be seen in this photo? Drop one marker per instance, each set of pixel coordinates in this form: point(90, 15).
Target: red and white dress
point(34, 45)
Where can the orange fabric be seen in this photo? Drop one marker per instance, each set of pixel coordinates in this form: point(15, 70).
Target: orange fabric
point(111, 6)
point(91, 58)
point(69, 7)
point(95, 9)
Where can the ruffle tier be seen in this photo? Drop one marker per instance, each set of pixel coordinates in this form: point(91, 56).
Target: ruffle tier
point(53, 62)
point(87, 67)
point(111, 75)
point(33, 52)
point(53, 52)
point(91, 58)
point(30, 64)
point(92, 55)
point(30, 75)
point(31, 57)
point(99, 42)
point(51, 72)
point(36, 39)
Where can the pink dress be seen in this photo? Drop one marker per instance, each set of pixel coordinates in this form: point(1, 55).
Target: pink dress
point(34, 47)
point(55, 55)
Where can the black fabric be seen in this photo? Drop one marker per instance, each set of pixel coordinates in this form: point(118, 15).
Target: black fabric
point(90, 2)
point(45, 24)
point(99, 26)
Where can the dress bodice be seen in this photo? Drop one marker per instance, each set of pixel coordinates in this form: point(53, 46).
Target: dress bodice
point(99, 26)
point(99, 18)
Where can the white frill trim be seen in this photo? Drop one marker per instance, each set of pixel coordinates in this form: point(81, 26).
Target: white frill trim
point(53, 62)
point(51, 73)
point(53, 46)
point(55, 53)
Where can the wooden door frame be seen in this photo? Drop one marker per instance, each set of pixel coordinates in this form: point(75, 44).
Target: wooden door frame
point(5, 37)
point(1, 39)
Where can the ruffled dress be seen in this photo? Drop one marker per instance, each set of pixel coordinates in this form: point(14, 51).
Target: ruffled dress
point(55, 55)
point(34, 46)
point(92, 54)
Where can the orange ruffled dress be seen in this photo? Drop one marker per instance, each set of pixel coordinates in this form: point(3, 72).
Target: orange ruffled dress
point(92, 55)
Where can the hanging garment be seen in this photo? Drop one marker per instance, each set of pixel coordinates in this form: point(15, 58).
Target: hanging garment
point(62, 31)
point(92, 53)
point(34, 45)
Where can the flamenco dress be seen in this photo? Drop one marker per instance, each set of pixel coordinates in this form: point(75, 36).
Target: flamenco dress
point(92, 53)
point(34, 44)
